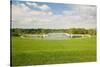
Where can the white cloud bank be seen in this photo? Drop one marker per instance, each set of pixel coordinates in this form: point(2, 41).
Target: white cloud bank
point(42, 7)
point(81, 16)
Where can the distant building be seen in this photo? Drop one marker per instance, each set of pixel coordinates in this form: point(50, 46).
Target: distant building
point(65, 35)
point(79, 35)
point(55, 35)
point(35, 35)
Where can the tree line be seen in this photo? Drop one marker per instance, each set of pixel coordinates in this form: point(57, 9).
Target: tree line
point(19, 32)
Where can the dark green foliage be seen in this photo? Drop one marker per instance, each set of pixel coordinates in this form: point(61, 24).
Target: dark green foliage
point(78, 31)
point(92, 31)
point(18, 32)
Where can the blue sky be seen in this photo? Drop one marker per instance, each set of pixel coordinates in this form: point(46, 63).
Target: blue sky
point(29, 14)
point(55, 8)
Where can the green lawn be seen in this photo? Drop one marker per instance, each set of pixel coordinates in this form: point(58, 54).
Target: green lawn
point(33, 52)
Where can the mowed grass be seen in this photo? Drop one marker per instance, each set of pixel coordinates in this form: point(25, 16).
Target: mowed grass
point(36, 52)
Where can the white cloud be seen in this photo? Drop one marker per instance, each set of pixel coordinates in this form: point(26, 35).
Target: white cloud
point(32, 4)
point(43, 7)
point(23, 16)
point(79, 16)
point(82, 10)
point(86, 9)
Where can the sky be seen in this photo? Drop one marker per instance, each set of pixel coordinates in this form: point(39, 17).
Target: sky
point(30, 14)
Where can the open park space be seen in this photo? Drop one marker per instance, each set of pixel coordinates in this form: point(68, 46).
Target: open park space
point(27, 51)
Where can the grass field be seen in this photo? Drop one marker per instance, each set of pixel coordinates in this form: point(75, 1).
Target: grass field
point(35, 52)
